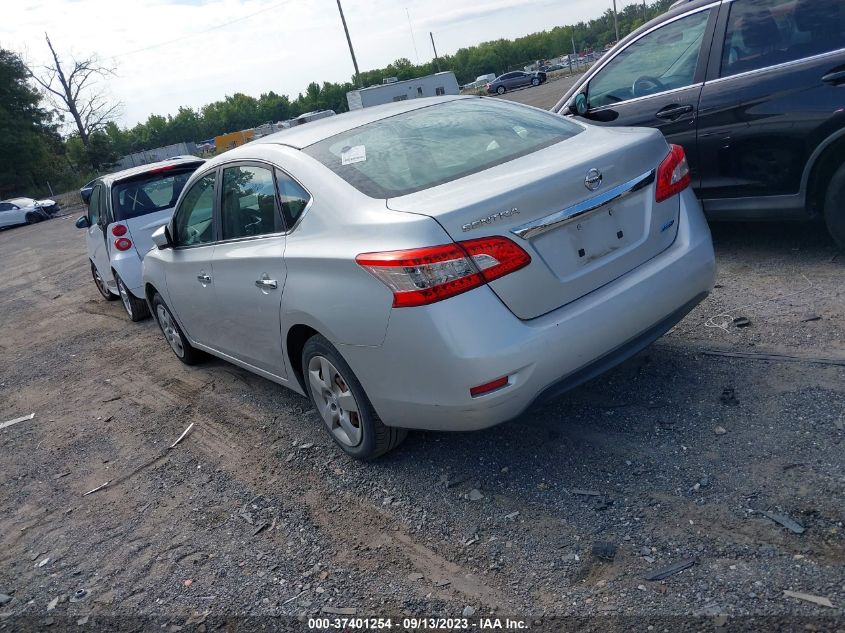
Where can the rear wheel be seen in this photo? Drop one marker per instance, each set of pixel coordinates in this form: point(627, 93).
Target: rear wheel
point(500, 90)
point(173, 334)
point(343, 405)
point(834, 207)
point(101, 284)
point(136, 308)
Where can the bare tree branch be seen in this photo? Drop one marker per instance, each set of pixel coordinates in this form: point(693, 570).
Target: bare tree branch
point(75, 91)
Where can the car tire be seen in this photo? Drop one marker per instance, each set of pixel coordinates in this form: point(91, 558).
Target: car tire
point(343, 405)
point(101, 284)
point(500, 90)
point(834, 207)
point(535, 82)
point(184, 351)
point(136, 308)
point(33, 218)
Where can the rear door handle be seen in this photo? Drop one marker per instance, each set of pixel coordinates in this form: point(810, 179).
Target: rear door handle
point(670, 113)
point(266, 284)
point(835, 78)
point(204, 279)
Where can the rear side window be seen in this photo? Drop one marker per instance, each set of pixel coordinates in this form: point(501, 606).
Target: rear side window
point(764, 33)
point(293, 197)
point(249, 202)
point(193, 222)
point(437, 144)
point(148, 193)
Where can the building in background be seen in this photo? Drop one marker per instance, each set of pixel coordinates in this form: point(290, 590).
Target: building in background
point(435, 85)
point(154, 155)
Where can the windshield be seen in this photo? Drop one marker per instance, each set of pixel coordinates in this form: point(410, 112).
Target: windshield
point(430, 146)
point(149, 193)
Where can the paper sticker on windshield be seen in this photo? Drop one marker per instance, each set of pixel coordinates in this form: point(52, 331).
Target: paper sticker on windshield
point(354, 154)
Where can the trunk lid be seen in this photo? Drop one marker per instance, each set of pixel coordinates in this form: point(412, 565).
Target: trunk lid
point(578, 239)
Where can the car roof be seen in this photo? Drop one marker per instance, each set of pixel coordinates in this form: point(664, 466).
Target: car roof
point(309, 133)
point(117, 176)
point(19, 200)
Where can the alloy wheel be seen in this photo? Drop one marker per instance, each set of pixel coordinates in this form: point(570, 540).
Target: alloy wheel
point(335, 401)
point(170, 332)
point(124, 296)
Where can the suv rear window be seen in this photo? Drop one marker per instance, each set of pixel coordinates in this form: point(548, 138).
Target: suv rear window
point(149, 193)
point(434, 145)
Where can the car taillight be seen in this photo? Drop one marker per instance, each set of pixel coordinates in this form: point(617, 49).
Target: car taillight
point(673, 175)
point(118, 230)
point(123, 243)
point(425, 275)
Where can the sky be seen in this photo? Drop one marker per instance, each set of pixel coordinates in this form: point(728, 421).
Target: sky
point(171, 53)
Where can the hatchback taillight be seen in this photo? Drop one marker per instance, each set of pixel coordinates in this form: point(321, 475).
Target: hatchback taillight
point(118, 230)
point(425, 275)
point(673, 175)
point(123, 243)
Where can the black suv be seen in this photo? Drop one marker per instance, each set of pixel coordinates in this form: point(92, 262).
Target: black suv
point(754, 90)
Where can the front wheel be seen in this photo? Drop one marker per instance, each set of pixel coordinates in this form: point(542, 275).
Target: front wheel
point(173, 334)
point(500, 90)
point(834, 207)
point(535, 82)
point(343, 405)
point(33, 218)
point(101, 284)
point(136, 308)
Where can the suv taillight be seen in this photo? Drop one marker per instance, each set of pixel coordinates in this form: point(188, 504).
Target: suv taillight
point(673, 174)
point(426, 275)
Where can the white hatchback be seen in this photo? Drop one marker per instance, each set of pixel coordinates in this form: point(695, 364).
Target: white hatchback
point(124, 209)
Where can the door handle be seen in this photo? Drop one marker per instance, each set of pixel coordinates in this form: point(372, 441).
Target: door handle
point(204, 279)
point(266, 284)
point(670, 113)
point(835, 78)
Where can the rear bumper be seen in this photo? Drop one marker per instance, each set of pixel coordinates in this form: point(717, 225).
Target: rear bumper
point(421, 376)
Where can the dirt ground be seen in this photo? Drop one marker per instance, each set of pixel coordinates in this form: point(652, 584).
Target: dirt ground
point(255, 520)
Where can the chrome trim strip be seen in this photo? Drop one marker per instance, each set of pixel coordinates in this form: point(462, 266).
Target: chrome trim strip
point(578, 211)
point(610, 106)
point(765, 69)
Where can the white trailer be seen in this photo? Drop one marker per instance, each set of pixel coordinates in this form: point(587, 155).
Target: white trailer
point(429, 86)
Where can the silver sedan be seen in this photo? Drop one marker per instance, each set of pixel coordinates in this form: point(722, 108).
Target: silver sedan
point(432, 264)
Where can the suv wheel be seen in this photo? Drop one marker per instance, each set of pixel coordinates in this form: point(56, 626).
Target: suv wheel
point(834, 207)
point(136, 308)
point(500, 90)
point(101, 284)
point(173, 334)
point(342, 404)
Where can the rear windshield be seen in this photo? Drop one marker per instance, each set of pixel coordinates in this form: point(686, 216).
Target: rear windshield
point(424, 148)
point(149, 193)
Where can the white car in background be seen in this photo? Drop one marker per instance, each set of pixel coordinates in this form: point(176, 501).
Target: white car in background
point(124, 209)
point(17, 211)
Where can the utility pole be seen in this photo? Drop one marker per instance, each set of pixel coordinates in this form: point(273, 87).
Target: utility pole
point(349, 41)
point(645, 13)
point(434, 48)
point(574, 51)
point(615, 19)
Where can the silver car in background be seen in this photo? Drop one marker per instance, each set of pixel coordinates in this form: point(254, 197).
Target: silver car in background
point(431, 264)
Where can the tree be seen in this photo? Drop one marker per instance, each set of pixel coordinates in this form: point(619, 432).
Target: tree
point(73, 89)
point(31, 141)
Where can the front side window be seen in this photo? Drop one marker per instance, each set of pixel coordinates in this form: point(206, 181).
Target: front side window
point(437, 144)
point(94, 205)
point(249, 202)
point(7, 206)
point(193, 222)
point(764, 33)
point(665, 59)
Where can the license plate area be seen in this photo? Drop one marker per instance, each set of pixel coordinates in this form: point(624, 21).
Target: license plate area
point(597, 235)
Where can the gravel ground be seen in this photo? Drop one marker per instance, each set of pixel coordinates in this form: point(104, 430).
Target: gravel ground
point(555, 520)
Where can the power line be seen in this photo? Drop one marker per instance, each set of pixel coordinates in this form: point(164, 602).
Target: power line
point(209, 29)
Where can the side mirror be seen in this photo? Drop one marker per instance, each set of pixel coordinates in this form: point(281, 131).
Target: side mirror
point(82, 222)
point(161, 237)
point(579, 106)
